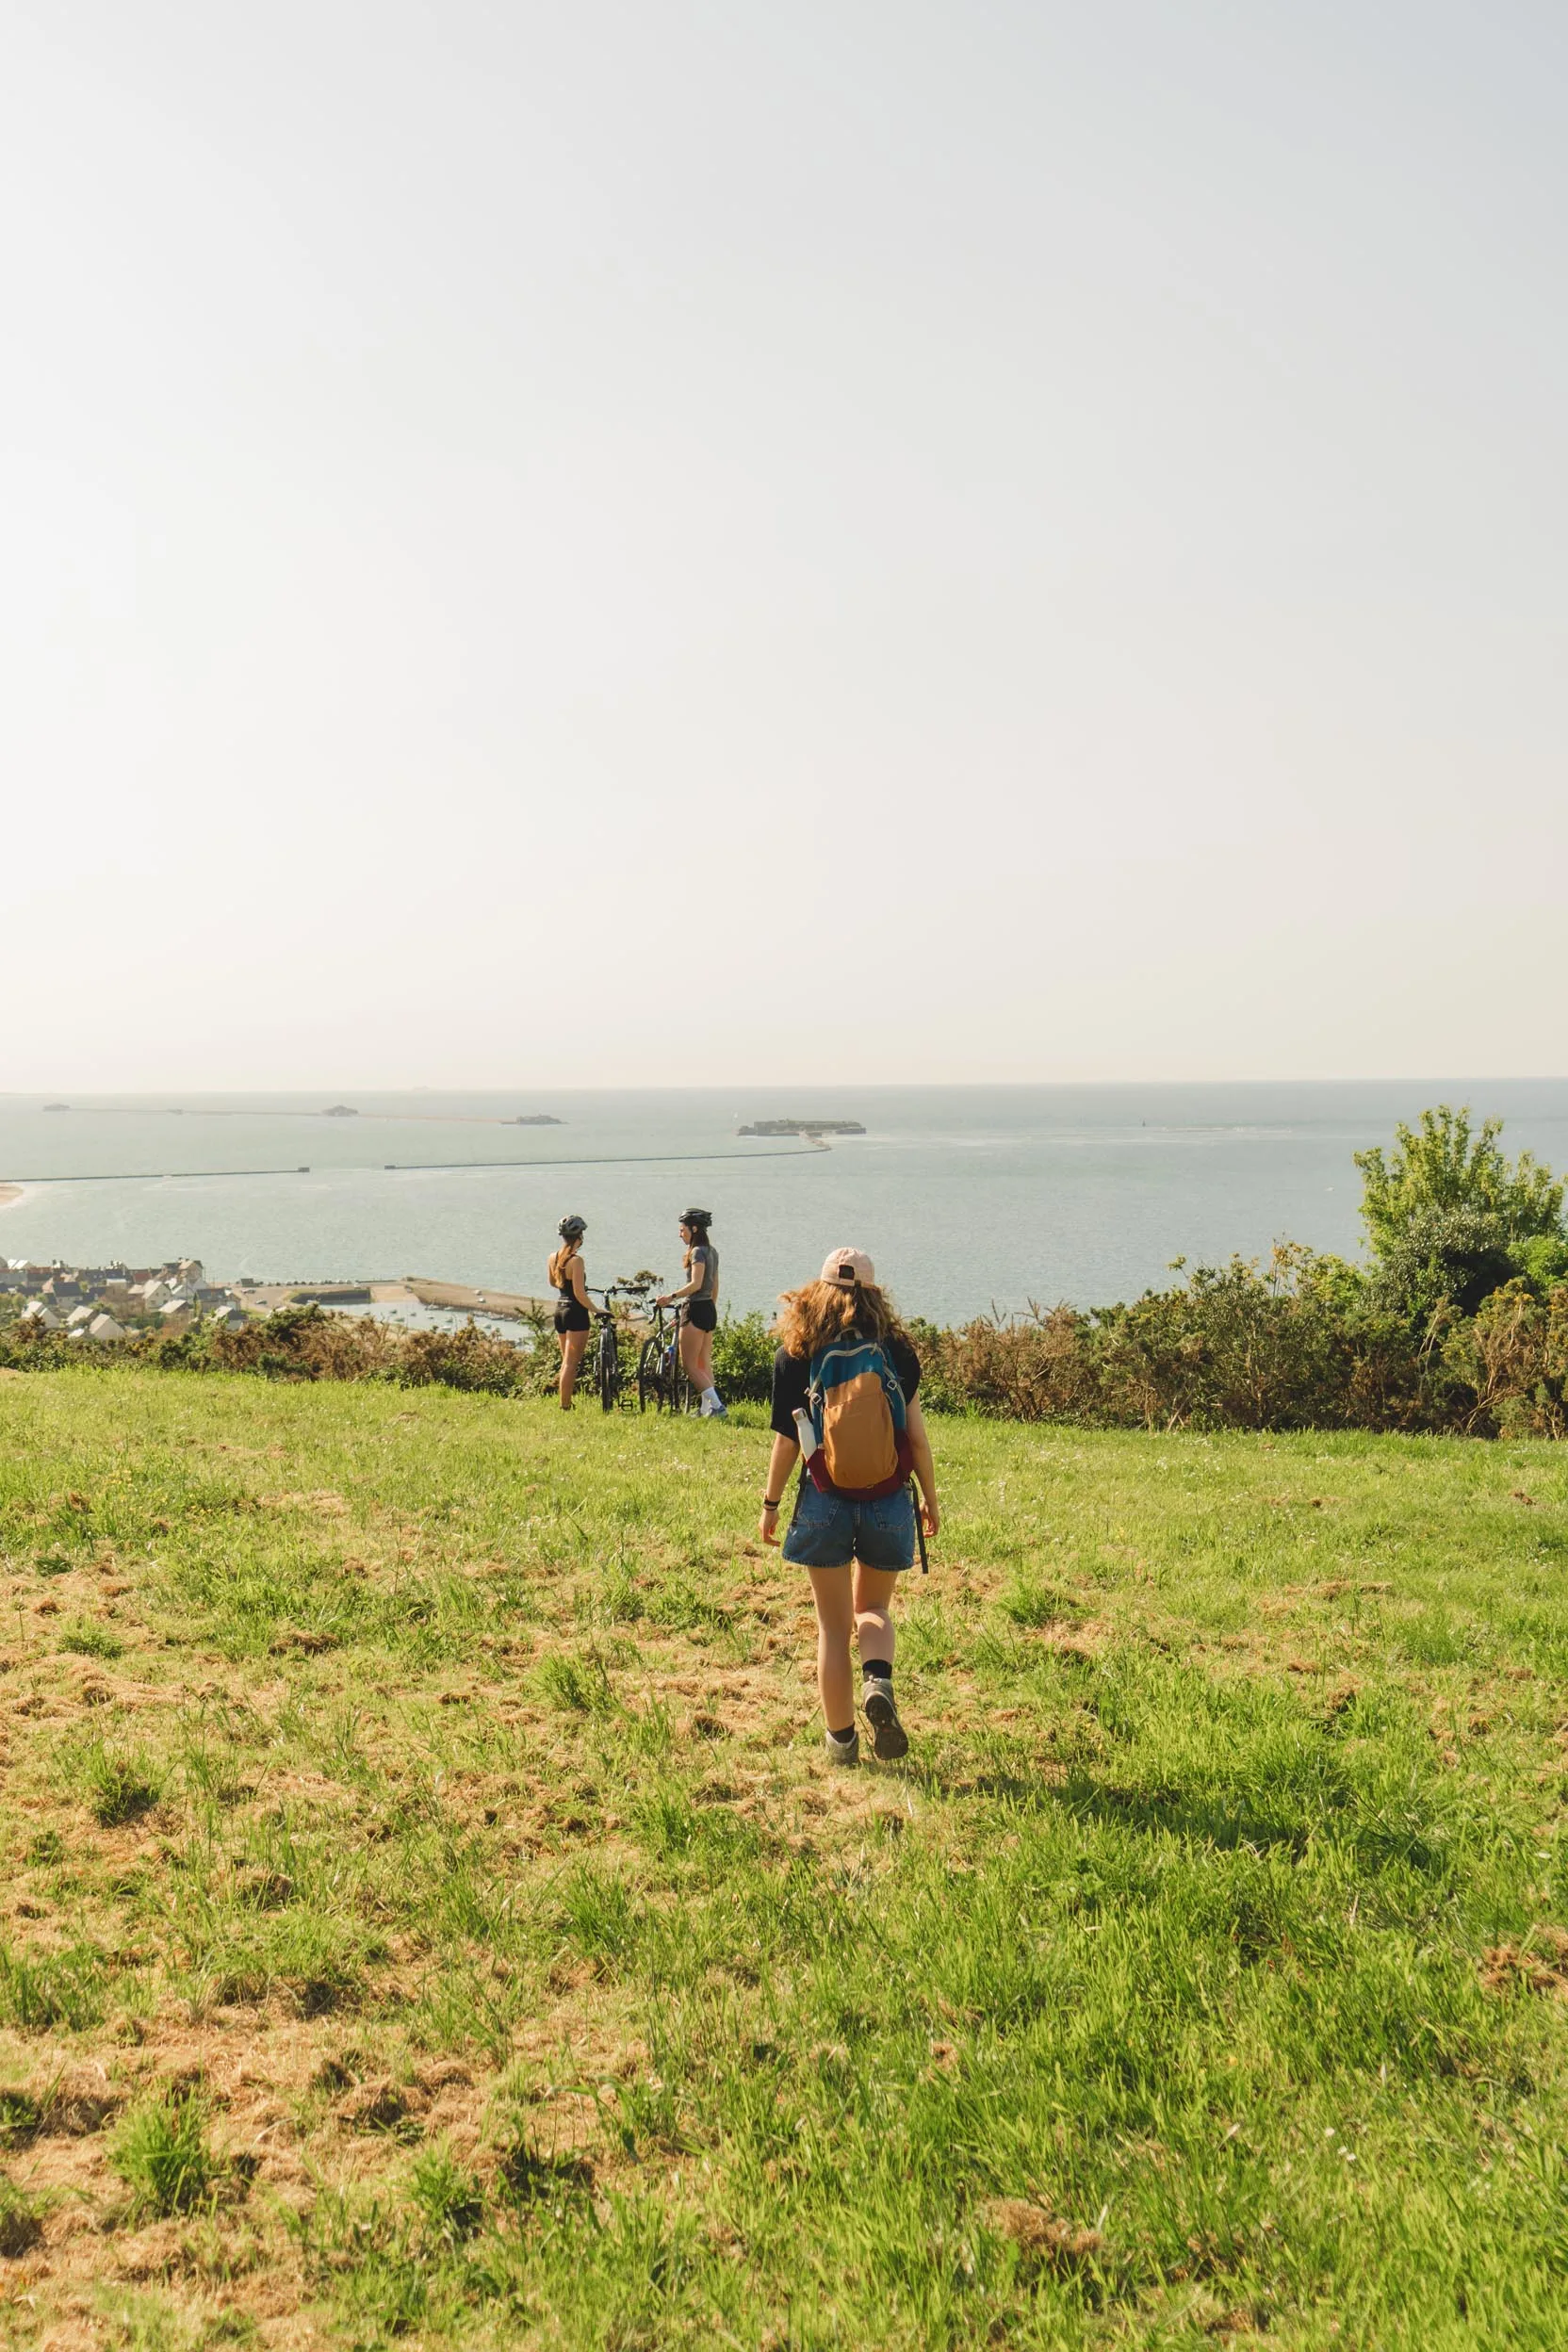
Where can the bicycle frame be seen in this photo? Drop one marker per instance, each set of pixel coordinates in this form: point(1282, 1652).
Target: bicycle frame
point(660, 1376)
point(607, 1352)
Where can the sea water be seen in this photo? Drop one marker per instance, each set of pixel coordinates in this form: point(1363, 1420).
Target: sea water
point(969, 1199)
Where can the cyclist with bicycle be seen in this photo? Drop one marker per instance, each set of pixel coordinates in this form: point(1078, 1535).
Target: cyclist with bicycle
point(699, 1301)
point(573, 1316)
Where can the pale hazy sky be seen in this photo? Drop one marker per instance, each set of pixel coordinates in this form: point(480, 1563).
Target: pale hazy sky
point(695, 540)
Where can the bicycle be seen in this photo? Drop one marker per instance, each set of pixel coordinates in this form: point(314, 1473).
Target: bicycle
point(607, 1375)
point(662, 1379)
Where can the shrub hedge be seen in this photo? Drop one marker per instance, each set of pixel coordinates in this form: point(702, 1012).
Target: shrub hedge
point(1299, 1344)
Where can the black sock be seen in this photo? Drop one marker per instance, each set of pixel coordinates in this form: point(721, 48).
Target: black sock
point(881, 1667)
point(843, 1738)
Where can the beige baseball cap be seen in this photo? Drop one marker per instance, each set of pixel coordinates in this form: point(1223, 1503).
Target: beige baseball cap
point(846, 1268)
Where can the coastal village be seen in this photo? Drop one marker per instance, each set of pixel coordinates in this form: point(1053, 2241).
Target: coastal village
point(103, 1303)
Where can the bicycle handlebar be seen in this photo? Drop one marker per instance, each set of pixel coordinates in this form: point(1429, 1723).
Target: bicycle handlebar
point(614, 1290)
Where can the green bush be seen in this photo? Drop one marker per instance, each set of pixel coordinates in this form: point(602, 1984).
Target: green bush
point(1509, 1364)
point(1451, 1219)
point(1443, 1164)
point(1541, 1262)
point(743, 1351)
point(1238, 1347)
point(1444, 1257)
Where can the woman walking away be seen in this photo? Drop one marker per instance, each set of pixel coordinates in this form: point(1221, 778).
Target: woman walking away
point(698, 1300)
point(573, 1320)
point(844, 1384)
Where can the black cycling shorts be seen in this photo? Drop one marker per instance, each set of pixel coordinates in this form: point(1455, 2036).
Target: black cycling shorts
point(702, 1314)
point(570, 1317)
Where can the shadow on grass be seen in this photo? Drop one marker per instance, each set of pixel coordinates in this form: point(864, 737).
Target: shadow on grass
point(1231, 1819)
point(1228, 1819)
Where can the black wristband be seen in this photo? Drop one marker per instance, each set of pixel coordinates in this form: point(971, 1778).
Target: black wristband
point(770, 1506)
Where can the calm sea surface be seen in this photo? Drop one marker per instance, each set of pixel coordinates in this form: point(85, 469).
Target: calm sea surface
point(966, 1197)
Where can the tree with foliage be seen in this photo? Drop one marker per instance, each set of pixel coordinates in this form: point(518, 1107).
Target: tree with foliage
point(1451, 1219)
point(1445, 1164)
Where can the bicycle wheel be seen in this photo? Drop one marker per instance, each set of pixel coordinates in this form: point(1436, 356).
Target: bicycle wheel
point(608, 1371)
point(650, 1387)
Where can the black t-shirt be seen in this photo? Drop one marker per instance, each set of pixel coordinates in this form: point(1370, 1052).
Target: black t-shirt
point(792, 1377)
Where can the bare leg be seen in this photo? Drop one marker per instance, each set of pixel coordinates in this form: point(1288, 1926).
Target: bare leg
point(830, 1589)
point(572, 1346)
point(873, 1622)
point(696, 1354)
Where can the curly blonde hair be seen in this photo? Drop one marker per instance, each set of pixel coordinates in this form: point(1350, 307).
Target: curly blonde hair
point(820, 1313)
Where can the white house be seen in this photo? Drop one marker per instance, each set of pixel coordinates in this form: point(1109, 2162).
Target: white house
point(41, 1317)
point(154, 1294)
point(103, 1328)
point(78, 1319)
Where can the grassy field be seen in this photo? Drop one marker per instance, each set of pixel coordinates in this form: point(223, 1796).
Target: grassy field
point(426, 1912)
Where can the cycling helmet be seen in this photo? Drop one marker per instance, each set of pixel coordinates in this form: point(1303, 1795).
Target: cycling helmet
point(698, 1217)
point(572, 1228)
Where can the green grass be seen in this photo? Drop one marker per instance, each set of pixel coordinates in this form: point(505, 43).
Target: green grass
point(161, 2152)
point(20, 2222)
point(116, 1788)
point(414, 1811)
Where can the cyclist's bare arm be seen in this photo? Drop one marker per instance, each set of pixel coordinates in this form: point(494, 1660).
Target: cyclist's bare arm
point(687, 1290)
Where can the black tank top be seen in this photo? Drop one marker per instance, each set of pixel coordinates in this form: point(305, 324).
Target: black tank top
point(564, 1289)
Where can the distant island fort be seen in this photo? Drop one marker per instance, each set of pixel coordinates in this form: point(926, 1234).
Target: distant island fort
point(805, 1127)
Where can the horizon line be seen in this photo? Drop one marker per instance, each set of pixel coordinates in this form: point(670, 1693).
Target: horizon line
point(101, 1097)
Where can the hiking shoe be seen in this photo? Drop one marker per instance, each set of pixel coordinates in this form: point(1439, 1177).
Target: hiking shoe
point(715, 1412)
point(889, 1741)
point(842, 1750)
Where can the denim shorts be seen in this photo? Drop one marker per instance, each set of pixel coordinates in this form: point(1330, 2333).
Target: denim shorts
point(828, 1530)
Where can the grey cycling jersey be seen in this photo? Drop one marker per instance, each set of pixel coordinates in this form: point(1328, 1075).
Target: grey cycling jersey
point(705, 1270)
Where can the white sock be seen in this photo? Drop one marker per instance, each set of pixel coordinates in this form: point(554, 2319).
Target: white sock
point(711, 1400)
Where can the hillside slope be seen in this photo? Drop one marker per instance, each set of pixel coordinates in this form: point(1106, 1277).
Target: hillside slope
point(427, 1911)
